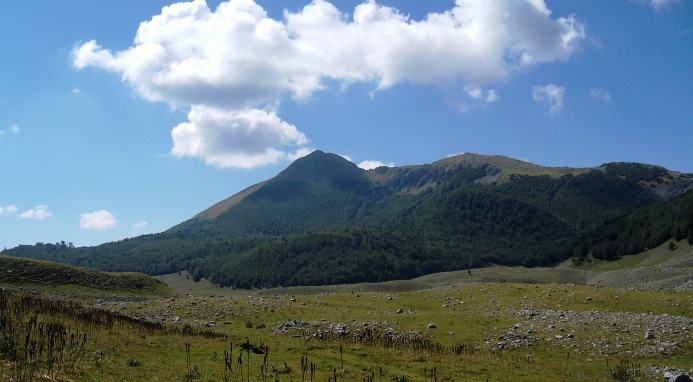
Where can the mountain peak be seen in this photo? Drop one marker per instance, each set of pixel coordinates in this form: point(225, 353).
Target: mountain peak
point(320, 165)
point(316, 168)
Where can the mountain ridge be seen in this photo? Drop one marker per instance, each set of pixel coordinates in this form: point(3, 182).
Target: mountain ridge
point(387, 223)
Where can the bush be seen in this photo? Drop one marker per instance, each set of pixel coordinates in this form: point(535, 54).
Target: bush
point(134, 362)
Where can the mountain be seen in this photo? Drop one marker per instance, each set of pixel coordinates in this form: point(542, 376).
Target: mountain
point(323, 220)
point(317, 191)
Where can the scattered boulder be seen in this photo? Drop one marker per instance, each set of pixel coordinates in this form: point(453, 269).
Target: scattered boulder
point(431, 326)
point(649, 334)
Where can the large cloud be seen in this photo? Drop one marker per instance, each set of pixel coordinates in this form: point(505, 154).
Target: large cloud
point(237, 59)
point(244, 138)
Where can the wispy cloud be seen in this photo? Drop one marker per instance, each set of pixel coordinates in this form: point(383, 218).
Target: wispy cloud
point(551, 95)
point(13, 130)
point(601, 95)
point(140, 224)
point(99, 220)
point(40, 212)
point(8, 209)
point(227, 65)
point(658, 5)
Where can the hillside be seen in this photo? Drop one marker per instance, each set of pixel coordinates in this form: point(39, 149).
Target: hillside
point(324, 221)
point(53, 277)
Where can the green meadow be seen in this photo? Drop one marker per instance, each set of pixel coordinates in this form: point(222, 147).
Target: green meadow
point(599, 321)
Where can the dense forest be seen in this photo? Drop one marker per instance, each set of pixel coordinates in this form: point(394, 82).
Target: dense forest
point(325, 221)
point(645, 228)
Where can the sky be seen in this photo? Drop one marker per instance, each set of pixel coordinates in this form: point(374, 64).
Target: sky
point(122, 117)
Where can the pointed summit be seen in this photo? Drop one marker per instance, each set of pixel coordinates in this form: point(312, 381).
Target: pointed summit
point(320, 165)
point(317, 170)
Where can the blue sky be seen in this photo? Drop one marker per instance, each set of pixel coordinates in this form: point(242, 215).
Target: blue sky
point(120, 118)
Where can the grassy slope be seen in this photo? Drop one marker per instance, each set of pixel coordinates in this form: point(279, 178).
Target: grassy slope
point(64, 279)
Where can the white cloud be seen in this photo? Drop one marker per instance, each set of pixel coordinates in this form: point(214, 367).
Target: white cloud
point(368, 164)
point(76, 91)
point(475, 97)
point(371, 164)
point(14, 129)
point(236, 60)
point(658, 5)
point(240, 139)
point(8, 209)
point(599, 94)
point(300, 153)
point(140, 224)
point(551, 95)
point(40, 212)
point(99, 220)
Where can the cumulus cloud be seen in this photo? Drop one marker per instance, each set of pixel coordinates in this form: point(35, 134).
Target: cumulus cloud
point(40, 213)
point(99, 220)
point(551, 95)
point(230, 138)
point(235, 60)
point(140, 224)
point(599, 94)
point(8, 209)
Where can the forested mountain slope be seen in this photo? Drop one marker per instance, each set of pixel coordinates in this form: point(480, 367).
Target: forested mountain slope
point(323, 220)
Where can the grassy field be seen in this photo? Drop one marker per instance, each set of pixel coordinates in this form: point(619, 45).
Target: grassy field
point(569, 323)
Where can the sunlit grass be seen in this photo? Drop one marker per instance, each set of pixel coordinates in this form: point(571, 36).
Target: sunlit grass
point(471, 314)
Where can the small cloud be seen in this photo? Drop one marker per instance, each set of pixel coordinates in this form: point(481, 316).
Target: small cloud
point(658, 5)
point(371, 164)
point(14, 130)
point(474, 97)
point(550, 95)
point(8, 209)
point(40, 213)
point(76, 91)
point(98, 220)
point(300, 153)
point(140, 224)
point(602, 95)
point(480, 95)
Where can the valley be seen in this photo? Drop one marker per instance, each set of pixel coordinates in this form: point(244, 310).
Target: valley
point(628, 320)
